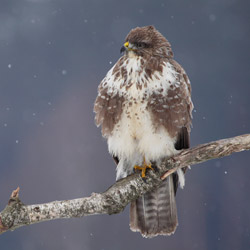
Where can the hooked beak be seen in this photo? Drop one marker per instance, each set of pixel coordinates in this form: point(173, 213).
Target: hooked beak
point(124, 47)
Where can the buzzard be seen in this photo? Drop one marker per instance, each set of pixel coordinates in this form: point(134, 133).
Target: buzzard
point(144, 107)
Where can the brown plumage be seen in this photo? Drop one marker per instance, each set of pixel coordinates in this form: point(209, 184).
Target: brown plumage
point(144, 107)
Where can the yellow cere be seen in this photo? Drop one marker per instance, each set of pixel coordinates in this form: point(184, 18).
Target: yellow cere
point(126, 44)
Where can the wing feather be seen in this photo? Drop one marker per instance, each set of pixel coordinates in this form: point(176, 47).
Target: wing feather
point(108, 109)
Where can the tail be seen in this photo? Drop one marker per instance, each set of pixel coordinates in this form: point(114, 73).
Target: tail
point(155, 212)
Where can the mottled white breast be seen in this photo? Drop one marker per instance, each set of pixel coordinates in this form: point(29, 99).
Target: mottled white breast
point(135, 136)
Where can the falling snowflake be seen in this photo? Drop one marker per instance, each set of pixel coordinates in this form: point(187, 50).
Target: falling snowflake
point(64, 72)
point(212, 17)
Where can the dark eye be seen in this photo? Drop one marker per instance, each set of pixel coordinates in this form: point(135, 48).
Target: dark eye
point(142, 45)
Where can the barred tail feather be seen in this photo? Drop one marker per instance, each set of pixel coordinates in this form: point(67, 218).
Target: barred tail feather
point(155, 212)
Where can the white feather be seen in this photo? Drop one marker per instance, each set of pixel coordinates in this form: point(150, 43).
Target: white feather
point(181, 177)
point(134, 136)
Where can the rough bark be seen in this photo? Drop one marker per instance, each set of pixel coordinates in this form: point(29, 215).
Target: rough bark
point(116, 198)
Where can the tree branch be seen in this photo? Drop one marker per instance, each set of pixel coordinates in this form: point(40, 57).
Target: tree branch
point(116, 198)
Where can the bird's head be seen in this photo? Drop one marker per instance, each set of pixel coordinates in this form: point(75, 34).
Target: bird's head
point(146, 41)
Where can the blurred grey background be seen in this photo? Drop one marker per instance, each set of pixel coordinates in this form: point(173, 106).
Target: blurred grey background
point(54, 53)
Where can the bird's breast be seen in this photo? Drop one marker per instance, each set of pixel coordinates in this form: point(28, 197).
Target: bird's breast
point(136, 131)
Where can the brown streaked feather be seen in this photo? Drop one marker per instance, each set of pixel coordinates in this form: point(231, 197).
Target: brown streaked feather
point(157, 44)
point(173, 110)
point(108, 110)
point(155, 212)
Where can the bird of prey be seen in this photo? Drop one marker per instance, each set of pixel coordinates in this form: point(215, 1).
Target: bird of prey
point(144, 107)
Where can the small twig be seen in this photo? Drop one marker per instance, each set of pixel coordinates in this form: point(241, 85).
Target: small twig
point(116, 198)
point(15, 193)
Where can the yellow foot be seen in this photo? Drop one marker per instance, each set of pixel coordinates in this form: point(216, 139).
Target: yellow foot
point(143, 168)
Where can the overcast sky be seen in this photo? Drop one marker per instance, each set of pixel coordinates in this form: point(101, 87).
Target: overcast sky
point(54, 53)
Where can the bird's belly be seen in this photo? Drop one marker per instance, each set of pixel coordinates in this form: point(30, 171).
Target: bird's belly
point(135, 136)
